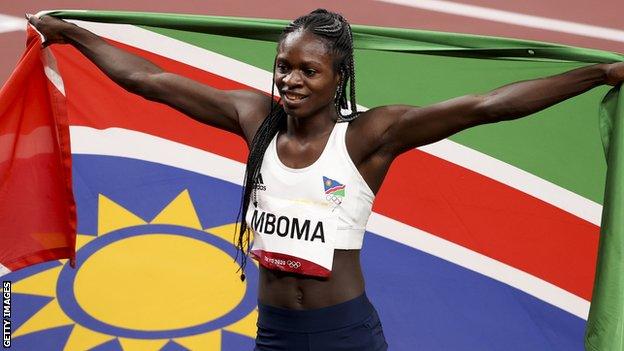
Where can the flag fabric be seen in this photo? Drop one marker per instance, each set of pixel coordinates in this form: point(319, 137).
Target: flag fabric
point(37, 211)
point(487, 240)
point(605, 327)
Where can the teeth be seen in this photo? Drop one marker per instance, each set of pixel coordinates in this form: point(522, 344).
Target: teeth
point(293, 97)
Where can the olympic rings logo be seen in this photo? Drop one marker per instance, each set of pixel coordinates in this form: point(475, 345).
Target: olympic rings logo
point(333, 198)
point(293, 264)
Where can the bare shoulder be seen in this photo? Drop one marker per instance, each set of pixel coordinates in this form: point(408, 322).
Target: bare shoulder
point(366, 134)
point(380, 118)
point(371, 126)
point(252, 108)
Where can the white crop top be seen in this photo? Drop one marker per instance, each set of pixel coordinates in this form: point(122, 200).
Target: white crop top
point(303, 214)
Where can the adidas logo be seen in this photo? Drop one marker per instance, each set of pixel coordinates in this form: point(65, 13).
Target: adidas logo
point(259, 183)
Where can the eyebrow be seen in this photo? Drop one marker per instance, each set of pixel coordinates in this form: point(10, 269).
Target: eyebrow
point(306, 62)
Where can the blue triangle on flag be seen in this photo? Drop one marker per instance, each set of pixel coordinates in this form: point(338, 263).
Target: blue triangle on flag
point(236, 342)
point(28, 306)
point(112, 345)
point(173, 346)
point(54, 339)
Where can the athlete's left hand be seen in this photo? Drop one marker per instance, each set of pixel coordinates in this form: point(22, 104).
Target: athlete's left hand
point(615, 73)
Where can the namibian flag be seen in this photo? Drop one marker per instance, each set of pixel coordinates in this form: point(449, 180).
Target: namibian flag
point(333, 187)
point(487, 240)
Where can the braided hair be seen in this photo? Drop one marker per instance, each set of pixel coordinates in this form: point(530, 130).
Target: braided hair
point(336, 34)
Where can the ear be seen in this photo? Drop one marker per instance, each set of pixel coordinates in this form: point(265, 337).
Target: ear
point(340, 76)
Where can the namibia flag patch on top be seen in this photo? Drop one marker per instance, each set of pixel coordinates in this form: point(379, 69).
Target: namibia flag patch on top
point(333, 187)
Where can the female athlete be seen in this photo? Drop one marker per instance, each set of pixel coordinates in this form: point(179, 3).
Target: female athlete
point(313, 170)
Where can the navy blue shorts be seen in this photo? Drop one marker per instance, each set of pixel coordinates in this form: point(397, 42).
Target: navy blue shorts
point(350, 325)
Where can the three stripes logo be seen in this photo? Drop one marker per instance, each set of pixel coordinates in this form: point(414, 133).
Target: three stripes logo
point(259, 183)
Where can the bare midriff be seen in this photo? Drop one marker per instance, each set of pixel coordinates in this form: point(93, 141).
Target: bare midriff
point(298, 292)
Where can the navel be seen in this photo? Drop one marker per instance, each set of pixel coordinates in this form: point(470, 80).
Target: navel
point(299, 296)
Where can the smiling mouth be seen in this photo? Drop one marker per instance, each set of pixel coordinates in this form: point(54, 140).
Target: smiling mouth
point(293, 97)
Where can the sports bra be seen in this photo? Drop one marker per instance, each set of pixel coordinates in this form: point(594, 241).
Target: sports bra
point(302, 214)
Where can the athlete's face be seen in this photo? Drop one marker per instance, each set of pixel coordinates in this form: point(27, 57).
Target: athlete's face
point(305, 75)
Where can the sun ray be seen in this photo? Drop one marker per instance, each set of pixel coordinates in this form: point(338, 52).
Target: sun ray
point(82, 338)
point(180, 211)
point(246, 326)
point(112, 216)
point(82, 240)
point(42, 283)
point(206, 341)
point(142, 344)
point(50, 316)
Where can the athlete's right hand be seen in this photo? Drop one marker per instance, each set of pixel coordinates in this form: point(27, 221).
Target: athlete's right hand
point(51, 28)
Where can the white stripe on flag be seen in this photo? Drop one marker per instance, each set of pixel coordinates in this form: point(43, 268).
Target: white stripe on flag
point(51, 70)
point(4, 270)
point(262, 80)
point(182, 52)
point(132, 144)
point(141, 146)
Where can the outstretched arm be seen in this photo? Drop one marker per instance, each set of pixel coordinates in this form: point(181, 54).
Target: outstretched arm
point(406, 127)
point(240, 112)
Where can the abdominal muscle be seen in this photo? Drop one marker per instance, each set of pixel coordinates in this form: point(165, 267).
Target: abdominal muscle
point(299, 292)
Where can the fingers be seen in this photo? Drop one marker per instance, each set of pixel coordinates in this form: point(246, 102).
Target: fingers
point(35, 21)
point(615, 73)
point(32, 19)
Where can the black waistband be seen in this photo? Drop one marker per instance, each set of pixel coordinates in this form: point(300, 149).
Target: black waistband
point(321, 319)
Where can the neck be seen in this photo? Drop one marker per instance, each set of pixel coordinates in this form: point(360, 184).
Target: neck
point(312, 126)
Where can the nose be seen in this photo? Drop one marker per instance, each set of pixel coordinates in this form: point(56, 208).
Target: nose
point(292, 78)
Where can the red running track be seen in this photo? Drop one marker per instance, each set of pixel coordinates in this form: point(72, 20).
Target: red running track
point(607, 14)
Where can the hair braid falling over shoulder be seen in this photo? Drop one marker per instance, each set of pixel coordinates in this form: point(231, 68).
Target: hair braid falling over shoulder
point(336, 32)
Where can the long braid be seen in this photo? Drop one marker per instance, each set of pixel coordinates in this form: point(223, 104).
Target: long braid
point(265, 133)
point(351, 71)
point(339, 29)
point(336, 32)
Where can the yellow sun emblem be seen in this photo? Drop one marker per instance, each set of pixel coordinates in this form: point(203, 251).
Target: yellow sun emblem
point(145, 285)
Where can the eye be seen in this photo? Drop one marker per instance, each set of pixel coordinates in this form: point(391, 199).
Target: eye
point(281, 68)
point(309, 72)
